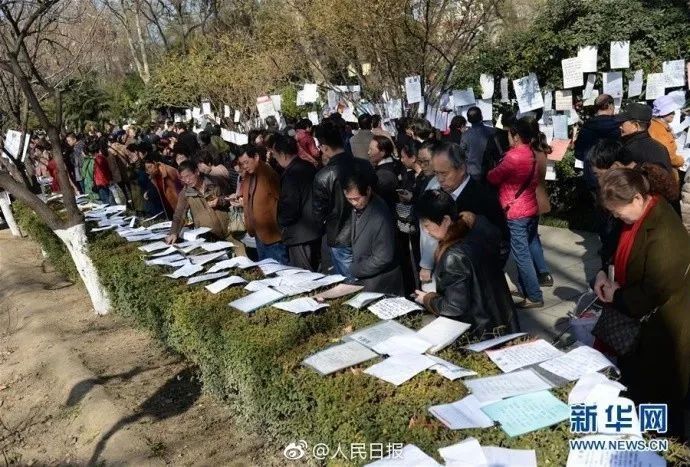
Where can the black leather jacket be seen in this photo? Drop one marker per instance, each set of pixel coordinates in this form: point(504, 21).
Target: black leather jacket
point(329, 205)
point(470, 285)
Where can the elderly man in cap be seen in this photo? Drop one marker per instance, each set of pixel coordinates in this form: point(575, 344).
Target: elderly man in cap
point(638, 145)
point(659, 129)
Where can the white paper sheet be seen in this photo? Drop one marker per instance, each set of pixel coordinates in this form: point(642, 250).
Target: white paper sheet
point(165, 260)
point(256, 300)
point(589, 87)
point(548, 100)
point(413, 89)
point(504, 457)
point(224, 283)
point(576, 363)
point(186, 271)
point(363, 299)
point(203, 259)
point(588, 58)
point(487, 108)
point(613, 83)
point(291, 271)
point(497, 387)
point(564, 99)
point(487, 84)
point(191, 235)
point(390, 308)
point(467, 452)
point(572, 72)
point(339, 357)
point(487, 344)
point(462, 414)
point(216, 246)
point(400, 368)
point(560, 126)
point(620, 54)
point(521, 355)
point(154, 246)
point(409, 456)
point(528, 93)
point(635, 85)
point(442, 332)
point(504, 90)
point(674, 73)
point(656, 86)
point(463, 97)
point(272, 268)
point(375, 334)
point(449, 370)
point(402, 344)
point(206, 277)
point(107, 227)
point(300, 305)
point(586, 384)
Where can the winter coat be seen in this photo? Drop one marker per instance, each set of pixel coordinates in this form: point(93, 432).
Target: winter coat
point(359, 144)
point(196, 200)
point(640, 147)
point(685, 201)
point(172, 185)
point(597, 128)
point(295, 216)
point(470, 284)
point(306, 147)
point(260, 193)
point(658, 370)
point(661, 132)
point(373, 249)
point(510, 175)
point(387, 182)
point(87, 171)
point(102, 178)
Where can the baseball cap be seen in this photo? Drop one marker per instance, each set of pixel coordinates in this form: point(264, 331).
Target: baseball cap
point(641, 112)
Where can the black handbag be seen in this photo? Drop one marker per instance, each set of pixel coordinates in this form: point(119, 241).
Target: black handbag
point(618, 331)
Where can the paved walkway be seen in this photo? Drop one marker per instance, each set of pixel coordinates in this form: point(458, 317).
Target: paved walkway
point(573, 259)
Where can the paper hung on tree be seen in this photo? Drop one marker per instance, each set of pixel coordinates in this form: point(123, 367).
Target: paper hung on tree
point(487, 84)
point(264, 105)
point(613, 83)
point(572, 72)
point(620, 54)
point(413, 89)
point(277, 102)
point(528, 93)
point(548, 100)
point(236, 118)
point(656, 86)
point(487, 108)
point(635, 85)
point(564, 100)
point(310, 93)
point(188, 114)
point(588, 58)
point(589, 86)
point(206, 108)
point(463, 97)
point(674, 72)
point(226, 111)
point(504, 90)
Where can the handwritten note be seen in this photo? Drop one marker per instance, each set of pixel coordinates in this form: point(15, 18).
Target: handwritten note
point(489, 343)
point(390, 308)
point(560, 126)
point(504, 90)
point(498, 387)
point(400, 368)
point(465, 453)
point(462, 414)
point(463, 97)
point(449, 370)
point(224, 283)
point(375, 334)
point(186, 271)
point(589, 87)
point(256, 300)
point(338, 291)
point(576, 363)
point(487, 84)
point(580, 393)
point(564, 100)
point(206, 277)
point(521, 355)
point(203, 259)
point(339, 357)
point(674, 73)
point(413, 89)
point(588, 58)
point(548, 100)
point(300, 305)
point(528, 93)
point(572, 72)
point(442, 332)
point(620, 54)
point(656, 86)
point(528, 412)
point(154, 246)
point(613, 83)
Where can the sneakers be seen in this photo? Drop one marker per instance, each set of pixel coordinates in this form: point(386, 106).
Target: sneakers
point(527, 304)
point(545, 280)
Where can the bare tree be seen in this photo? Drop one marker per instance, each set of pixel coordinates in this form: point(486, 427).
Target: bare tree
point(27, 39)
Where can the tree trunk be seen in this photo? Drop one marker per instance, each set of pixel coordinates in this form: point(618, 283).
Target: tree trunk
point(8, 215)
point(75, 239)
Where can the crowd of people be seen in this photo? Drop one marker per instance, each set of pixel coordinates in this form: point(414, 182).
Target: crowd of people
point(431, 216)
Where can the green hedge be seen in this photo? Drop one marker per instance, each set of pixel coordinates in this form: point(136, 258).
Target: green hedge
point(253, 364)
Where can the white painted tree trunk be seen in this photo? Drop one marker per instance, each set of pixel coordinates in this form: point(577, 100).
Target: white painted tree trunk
point(75, 240)
point(8, 215)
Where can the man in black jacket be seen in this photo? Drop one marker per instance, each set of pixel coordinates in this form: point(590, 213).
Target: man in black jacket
point(300, 231)
point(328, 201)
point(638, 146)
point(602, 125)
point(187, 139)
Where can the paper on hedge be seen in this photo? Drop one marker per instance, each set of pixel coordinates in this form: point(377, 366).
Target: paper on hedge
point(587, 383)
point(487, 344)
point(256, 300)
point(373, 335)
point(206, 277)
point(224, 283)
point(527, 412)
point(300, 305)
point(521, 355)
point(442, 332)
point(400, 368)
point(506, 385)
point(462, 414)
point(339, 357)
point(449, 370)
point(576, 363)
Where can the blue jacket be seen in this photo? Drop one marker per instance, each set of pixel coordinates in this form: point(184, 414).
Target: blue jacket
point(596, 128)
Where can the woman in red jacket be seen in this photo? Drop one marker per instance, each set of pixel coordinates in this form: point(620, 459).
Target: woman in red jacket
point(517, 178)
point(102, 177)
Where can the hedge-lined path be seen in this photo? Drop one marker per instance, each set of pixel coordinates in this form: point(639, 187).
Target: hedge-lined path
point(73, 384)
point(573, 259)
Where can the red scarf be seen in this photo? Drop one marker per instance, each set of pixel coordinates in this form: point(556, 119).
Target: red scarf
point(626, 241)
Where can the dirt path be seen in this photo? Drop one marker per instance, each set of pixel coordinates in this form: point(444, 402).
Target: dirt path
point(76, 388)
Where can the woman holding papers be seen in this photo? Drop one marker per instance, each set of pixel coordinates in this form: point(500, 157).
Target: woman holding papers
point(470, 285)
point(652, 285)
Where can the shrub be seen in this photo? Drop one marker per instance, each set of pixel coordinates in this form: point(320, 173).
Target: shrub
point(253, 363)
